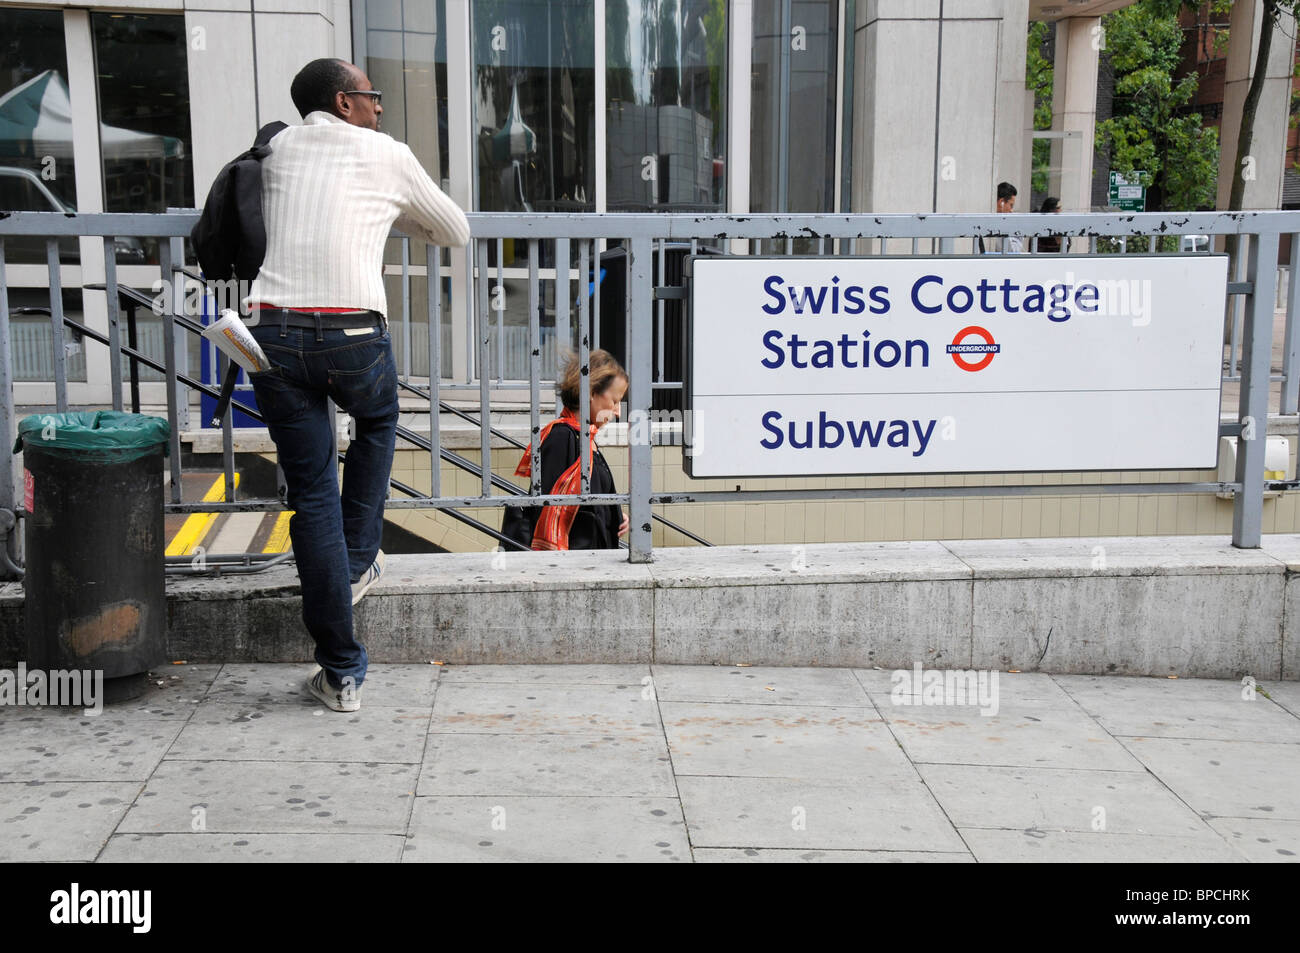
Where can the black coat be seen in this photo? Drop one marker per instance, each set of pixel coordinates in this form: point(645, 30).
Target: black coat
point(594, 527)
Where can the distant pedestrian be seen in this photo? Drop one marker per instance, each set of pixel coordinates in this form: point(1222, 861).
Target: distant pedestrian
point(1050, 244)
point(1003, 244)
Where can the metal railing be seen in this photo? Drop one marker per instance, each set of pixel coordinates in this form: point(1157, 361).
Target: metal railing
point(468, 290)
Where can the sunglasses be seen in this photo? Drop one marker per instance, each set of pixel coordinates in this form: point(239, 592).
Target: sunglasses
point(374, 94)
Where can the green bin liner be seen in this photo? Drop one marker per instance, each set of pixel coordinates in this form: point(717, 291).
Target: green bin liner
point(94, 436)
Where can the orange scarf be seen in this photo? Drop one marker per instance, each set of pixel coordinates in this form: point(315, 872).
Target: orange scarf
point(552, 530)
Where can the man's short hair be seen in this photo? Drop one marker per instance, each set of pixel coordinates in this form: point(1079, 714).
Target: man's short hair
point(1006, 191)
point(316, 84)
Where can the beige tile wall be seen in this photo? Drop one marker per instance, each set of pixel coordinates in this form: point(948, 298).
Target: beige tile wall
point(873, 520)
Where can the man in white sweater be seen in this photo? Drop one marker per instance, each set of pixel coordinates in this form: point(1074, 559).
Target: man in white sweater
point(332, 189)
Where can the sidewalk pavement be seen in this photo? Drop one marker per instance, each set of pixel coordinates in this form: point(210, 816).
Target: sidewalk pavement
point(654, 763)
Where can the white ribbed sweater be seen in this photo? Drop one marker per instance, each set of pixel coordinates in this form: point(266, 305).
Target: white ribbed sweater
point(330, 193)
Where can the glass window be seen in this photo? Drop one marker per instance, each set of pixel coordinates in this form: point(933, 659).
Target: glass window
point(36, 162)
point(792, 138)
point(406, 57)
point(534, 105)
point(666, 85)
point(144, 111)
point(37, 175)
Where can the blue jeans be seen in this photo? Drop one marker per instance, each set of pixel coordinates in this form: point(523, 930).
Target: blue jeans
point(334, 541)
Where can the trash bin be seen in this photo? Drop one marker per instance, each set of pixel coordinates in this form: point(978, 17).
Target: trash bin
point(94, 577)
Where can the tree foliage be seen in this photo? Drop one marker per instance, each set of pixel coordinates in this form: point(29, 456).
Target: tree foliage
point(1152, 129)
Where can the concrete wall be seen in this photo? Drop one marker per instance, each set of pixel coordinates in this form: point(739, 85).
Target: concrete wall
point(1186, 606)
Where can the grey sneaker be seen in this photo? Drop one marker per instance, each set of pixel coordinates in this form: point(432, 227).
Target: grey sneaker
point(347, 698)
point(368, 578)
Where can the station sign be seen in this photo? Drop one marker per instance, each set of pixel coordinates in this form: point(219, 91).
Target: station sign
point(834, 366)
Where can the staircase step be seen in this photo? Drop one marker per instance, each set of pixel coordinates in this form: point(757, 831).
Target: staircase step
point(186, 531)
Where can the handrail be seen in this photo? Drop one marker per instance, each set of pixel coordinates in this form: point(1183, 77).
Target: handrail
point(575, 241)
point(194, 327)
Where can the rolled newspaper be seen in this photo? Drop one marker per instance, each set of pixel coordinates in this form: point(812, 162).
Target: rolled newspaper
point(230, 334)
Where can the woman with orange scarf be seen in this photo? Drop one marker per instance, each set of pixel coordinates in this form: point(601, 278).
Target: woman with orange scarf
point(578, 527)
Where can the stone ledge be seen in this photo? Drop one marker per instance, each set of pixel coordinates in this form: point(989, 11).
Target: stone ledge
point(1186, 606)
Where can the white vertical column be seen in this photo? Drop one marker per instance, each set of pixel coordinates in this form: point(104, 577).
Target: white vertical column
point(740, 27)
point(1011, 130)
point(83, 93)
point(223, 115)
point(599, 78)
point(1268, 140)
point(740, 57)
point(460, 147)
point(840, 47)
point(1074, 109)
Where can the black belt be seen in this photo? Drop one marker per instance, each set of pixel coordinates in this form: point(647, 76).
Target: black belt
point(324, 320)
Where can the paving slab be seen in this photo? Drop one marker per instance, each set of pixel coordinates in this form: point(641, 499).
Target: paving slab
point(538, 764)
point(209, 848)
point(1182, 708)
point(1116, 802)
point(1261, 840)
point(1018, 736)
point(274, 798)
point(781, 742)
point(1286, 694)
point(545, 674)
point(759, 685)
point(172, 691)
point(491, 707)
point(805, 814)
point(60, 822)
point(619, 762)
point(1027, 688)
point(1071, 847)
point(769, 855)
point(546, 830)
point(51, 744)
point(1226, 778)
point(224, 731)
point(385, 685)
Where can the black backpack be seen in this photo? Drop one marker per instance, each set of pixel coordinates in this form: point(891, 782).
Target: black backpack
point(230, 238)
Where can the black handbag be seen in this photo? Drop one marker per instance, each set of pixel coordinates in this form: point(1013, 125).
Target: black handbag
point(518, 522)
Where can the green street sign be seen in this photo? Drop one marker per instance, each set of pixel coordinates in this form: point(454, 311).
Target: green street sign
point(1127, 193)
